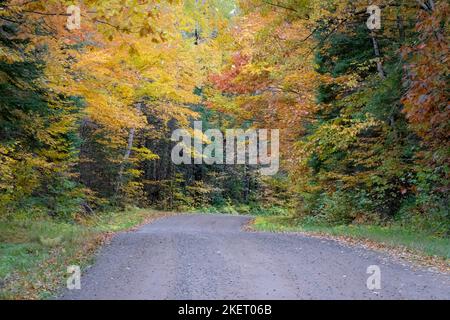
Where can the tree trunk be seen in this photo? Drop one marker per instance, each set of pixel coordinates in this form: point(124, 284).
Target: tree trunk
point(426, 5)
point(376, 49)
point(401, 28)
point(127, 154)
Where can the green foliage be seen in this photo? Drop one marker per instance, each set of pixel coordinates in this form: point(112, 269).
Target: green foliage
point(341, 208)
point(360, 159)
point(38, 137)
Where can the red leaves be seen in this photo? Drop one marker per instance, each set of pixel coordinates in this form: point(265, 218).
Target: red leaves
point(426, 102)
point(226, 81)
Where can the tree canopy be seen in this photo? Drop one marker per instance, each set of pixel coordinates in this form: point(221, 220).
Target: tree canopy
point(86, 113)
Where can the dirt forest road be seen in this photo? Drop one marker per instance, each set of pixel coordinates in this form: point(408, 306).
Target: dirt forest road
point(211, 257)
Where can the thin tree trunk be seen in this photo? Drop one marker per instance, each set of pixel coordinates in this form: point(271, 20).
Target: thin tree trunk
point(401, 28)
point(197, 25)
point(376, 49)
point(127, 155)
point(426, 5)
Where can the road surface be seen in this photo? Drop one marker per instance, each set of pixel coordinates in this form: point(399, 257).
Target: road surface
point(211, 257)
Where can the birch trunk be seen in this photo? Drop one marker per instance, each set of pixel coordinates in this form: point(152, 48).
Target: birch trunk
point(127, 154)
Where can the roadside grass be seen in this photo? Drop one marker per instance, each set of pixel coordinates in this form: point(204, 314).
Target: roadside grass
point(391, 236)
point(35, 254)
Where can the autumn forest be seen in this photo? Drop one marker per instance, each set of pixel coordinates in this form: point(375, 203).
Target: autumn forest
point(88, 105)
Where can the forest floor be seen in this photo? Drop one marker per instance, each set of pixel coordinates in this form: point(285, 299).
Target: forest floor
point(213, 257)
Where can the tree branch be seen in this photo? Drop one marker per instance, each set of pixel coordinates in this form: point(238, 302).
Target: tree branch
point(280, 6)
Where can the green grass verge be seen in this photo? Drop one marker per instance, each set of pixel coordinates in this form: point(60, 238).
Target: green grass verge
point(34, 255)
point(390, 235)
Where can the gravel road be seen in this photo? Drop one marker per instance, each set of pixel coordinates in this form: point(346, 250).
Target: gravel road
point(210, 257)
